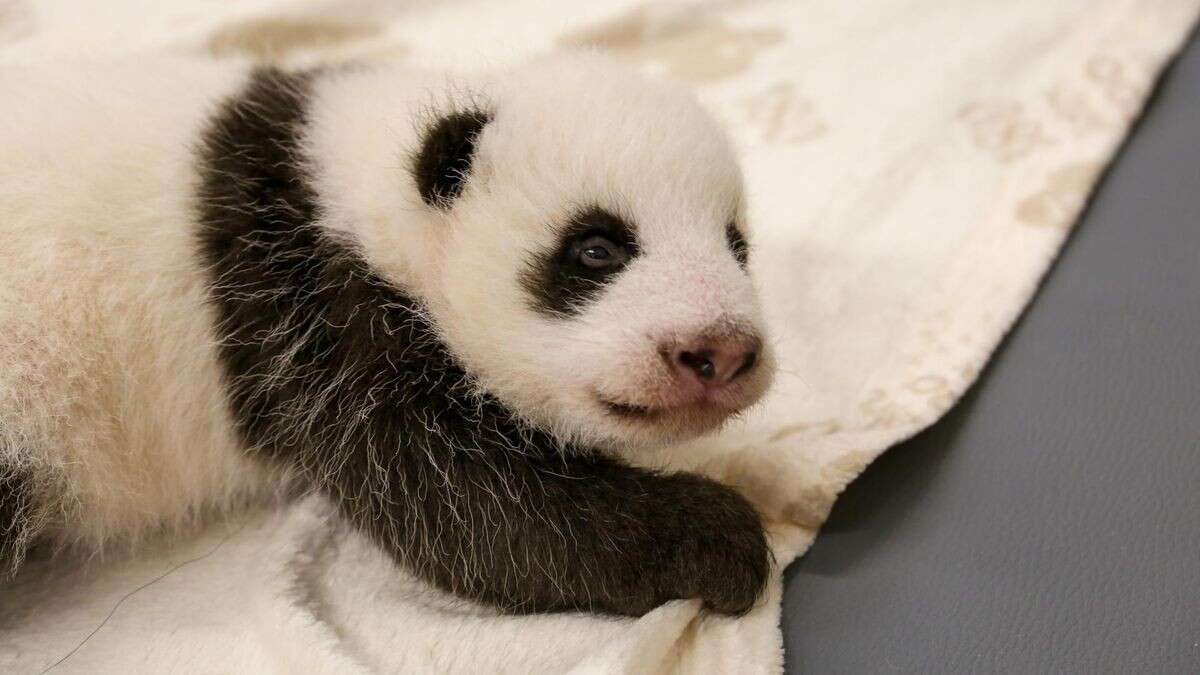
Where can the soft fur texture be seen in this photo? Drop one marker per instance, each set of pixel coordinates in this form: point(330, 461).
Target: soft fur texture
point(340, 289)
point(901, 218)
point(112, 407)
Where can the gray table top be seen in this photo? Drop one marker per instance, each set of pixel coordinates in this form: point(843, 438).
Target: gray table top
point(1051, 522)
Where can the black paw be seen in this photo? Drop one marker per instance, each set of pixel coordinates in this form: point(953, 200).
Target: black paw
point(721, 553)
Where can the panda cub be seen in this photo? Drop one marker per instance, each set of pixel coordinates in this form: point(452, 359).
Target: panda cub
point(449, 305)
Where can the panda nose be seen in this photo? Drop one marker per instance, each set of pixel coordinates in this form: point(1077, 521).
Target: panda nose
point(715, 362)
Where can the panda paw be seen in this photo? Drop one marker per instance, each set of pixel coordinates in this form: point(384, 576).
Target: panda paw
point(721, 555)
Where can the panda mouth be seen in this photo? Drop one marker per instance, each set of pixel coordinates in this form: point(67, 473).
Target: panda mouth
point(628, 410)
point(644, 413)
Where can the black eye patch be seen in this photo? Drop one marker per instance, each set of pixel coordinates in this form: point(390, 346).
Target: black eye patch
point(592, 249)
point(737, 245)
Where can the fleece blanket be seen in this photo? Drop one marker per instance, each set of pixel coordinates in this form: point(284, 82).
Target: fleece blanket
point(913, 165)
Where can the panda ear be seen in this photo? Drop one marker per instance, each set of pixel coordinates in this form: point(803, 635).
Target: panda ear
point(444, 161)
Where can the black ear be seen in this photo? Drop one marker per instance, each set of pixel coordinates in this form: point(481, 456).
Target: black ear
point(442, 165)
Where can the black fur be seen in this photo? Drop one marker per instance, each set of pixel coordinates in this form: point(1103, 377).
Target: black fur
point(444, 160)
point(332, 370)
point(737, 245)
point(557, 284)
point(16, 506)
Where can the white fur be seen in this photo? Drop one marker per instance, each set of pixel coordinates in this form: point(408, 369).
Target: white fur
point(109, 388)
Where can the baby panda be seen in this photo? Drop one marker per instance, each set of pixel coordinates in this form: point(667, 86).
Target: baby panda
point(450, 305)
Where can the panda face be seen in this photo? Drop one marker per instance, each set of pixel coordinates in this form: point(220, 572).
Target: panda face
point(590, 259)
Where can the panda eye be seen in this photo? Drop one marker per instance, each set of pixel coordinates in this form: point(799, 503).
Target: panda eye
point(598, 253)
point(737, 245)
point(592, 249)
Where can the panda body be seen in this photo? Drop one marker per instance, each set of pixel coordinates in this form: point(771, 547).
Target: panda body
point(442, 301)
point(112, 409)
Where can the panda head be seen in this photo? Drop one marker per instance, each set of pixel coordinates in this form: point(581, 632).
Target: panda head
point(578, 236)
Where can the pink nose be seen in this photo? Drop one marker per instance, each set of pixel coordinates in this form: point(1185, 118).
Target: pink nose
point(715, 362)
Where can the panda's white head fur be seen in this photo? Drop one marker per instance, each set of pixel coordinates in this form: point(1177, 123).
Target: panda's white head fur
point(575, 231)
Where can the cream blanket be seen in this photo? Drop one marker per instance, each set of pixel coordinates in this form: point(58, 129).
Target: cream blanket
point(914, 167)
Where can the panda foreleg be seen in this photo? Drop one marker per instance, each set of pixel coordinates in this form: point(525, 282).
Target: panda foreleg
point(588, 533)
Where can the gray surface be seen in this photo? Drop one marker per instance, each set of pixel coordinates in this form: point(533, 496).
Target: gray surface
point(1051, 522)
